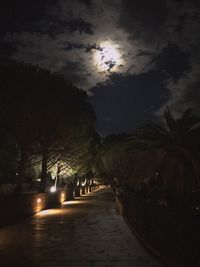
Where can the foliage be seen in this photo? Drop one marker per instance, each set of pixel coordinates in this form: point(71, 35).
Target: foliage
point(162, 158)
point(113, 161)
point(44, 115)
point(177, 153)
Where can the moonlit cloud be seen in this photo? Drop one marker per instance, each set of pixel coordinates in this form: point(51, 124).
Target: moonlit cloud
point(183, 26)
point(158, 36)
point(184, 93)
point(72, 49)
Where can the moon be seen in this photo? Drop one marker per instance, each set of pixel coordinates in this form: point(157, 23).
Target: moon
point(107, 57)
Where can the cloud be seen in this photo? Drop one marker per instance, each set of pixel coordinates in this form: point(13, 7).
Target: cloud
point(149, 35)
point(184, 93)
point(169, 33)
point(63, 36)
point(183, 27)
point(144, 20)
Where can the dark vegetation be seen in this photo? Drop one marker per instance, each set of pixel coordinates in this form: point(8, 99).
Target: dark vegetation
point(155, 174)
point(46, 124)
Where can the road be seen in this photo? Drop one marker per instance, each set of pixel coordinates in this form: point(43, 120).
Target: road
point(82, 233)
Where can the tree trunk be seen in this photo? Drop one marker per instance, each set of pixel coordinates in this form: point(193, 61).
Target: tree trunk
point(43, 183)
point(187, 181)
point(21, 171)
point(58, 175)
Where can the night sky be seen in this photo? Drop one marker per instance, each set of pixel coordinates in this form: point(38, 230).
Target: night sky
point(155, 47)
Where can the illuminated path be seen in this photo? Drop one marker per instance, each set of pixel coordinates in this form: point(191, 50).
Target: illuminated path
point(83, 233)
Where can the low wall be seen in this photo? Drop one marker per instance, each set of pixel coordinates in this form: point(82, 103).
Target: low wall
point(14, 208)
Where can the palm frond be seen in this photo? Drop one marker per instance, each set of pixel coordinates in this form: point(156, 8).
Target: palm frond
point(170, 121)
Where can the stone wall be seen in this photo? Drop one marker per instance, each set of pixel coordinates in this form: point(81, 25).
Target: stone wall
point(14, 208)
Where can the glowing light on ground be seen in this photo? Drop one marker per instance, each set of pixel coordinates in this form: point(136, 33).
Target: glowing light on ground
point(75, 202)
point(49, 212)
point(107, 57)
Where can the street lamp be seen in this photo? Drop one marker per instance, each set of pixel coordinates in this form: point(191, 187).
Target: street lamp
point(54, 187)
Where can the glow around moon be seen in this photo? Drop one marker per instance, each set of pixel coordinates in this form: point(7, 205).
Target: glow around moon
point(107, 57)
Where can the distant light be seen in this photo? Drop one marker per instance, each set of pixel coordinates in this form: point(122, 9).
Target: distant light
point(84, 183)
point(62, 197)
point(53, 189)
point(75, 202)
point(17, 173)
point(39, 200)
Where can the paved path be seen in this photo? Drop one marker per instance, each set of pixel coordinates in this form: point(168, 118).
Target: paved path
point(83, 233)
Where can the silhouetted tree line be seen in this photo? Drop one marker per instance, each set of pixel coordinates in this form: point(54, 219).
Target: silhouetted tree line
point(45, 117)
point(162, 162)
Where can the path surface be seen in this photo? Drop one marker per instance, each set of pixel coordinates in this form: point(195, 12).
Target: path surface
point(83, 233)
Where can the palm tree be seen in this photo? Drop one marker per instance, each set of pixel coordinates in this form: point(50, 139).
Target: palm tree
point(176, 152)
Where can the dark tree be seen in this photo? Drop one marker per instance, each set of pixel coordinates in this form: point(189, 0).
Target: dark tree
point(43, 114)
